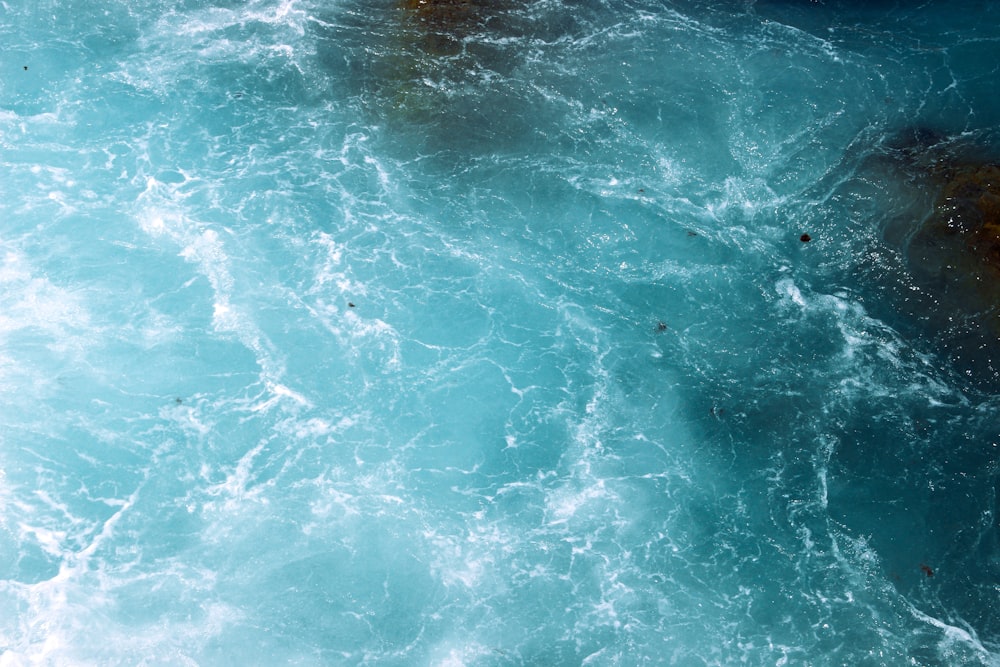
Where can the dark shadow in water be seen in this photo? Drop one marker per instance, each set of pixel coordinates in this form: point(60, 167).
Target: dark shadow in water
point(906, 440)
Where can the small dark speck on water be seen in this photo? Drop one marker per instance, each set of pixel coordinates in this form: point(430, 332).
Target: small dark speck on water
point(661, 326)
point(25, 68)
point(350, 305)
point(805, 238)
point(178, 400)
point(927, 570)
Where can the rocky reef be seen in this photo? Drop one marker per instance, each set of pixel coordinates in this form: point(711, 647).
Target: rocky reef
point(438, 27)
point(944, 224)
point(968, 207)
point(441, 12)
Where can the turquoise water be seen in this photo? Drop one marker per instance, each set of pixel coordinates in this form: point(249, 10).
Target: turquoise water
point(344, 333)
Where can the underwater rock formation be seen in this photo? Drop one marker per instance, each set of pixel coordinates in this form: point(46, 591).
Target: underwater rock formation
point(441, 25)
point(959, 239)
point(947, 233)
point(969, 206)
point(444, 75)
point(440, 11)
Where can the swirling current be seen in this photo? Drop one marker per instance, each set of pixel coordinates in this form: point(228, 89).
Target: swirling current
point(510, 332)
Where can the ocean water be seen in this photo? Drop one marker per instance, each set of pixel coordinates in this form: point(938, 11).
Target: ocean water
point(481, 333)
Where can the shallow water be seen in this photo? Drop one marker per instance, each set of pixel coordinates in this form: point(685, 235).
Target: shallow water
point(356, 334)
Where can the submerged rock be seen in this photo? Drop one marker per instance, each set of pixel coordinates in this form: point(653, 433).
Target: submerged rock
point(959, 240)
point(441, 11)
point(945, 225)
point(969, 205)
point(446, 75)
point(442, 25)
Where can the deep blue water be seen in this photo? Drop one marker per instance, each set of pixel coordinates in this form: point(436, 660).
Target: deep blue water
point(345, 333)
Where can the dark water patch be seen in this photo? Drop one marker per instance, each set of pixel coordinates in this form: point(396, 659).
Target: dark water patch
point(926, 499)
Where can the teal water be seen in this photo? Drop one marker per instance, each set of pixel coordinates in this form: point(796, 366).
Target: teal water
point(342, 333)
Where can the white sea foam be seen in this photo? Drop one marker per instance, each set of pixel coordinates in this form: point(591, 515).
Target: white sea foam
point(31, 304)
point(203, 245)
